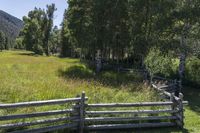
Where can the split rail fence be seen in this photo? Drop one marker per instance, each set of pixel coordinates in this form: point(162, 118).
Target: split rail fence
point(82, 117)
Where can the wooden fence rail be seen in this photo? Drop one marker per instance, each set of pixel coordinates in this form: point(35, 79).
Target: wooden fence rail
point(84, 117)
point(177, 100)
point(68, 116)
point(39, 103)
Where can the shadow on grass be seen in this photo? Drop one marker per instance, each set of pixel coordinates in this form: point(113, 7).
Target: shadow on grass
point(146, 130)
point(28, 54)
point(141, 130)
point(192, 95)
point(109, 78)
point(13, 129)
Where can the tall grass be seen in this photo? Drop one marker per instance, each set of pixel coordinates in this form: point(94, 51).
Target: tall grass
point(25, 77)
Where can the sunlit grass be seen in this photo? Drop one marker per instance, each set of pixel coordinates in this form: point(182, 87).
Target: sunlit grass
point(25, 78)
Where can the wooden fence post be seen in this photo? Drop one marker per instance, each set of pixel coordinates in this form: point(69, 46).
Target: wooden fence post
point(151, 78)
point(172, 99)
point(76, 113)
point(82, 113)
point(178, 105)
point(145, 74)
point(180, 114)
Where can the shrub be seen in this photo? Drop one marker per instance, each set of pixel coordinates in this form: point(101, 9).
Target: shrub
point(159, 63)
point(192, 72)
point(19, 43)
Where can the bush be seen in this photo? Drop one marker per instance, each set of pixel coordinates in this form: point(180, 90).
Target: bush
point(38, 49)
point(19, 43)
point(192, 72)
point(158, 63)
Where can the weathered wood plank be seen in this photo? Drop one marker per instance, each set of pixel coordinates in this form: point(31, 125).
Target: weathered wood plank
point(158, 77)
point(39, 103)
point(38, 114)
point(127, 126)
point(166, 86)
point(119, 119)
point(47, 129)
point(161, 90)
point(37, 122)
point(130, 104)
point(131, 112)
point(82, 113)
point(169, 94)
point(180, 115)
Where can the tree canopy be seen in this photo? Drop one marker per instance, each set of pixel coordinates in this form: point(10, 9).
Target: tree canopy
point(125, 28)
point(37, 29)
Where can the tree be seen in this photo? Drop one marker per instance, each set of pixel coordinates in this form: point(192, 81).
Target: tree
point(80, 26)
point(93, 27)
point(54, 42)
point(2, 41)
point(32, 33)
point(37, 29)
point(64, 37)
point(48, 24)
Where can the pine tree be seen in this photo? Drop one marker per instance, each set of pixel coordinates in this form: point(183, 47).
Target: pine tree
point(64, 37)
point(2, 41)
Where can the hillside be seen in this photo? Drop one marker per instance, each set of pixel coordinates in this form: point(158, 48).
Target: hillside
point(10, 25)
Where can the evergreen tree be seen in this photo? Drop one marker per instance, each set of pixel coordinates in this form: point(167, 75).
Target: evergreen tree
point(2, 41)
point(64, 37)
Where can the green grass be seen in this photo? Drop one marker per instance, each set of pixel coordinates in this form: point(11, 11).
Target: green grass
point(27, 77)
point(50, 78)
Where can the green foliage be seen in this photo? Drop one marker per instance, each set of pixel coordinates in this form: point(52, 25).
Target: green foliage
point(67, 44)
point(37, 30)
point(48, 25)
point(159, 63)
point(121, 29)
point(2, 41)
point(19, 43)
point(91, 26)
point(33, 29)
point(54, 42)
point(192, 74)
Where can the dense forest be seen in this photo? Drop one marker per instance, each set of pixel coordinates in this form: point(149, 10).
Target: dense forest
point(130, 28)
point(120, 29)
point(133, 33)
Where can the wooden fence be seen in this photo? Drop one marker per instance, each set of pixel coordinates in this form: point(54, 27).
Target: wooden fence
point(71, 118)
point(83, 117)
point(167, 88)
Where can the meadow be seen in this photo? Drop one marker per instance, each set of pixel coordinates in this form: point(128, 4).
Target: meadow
point(28, 77)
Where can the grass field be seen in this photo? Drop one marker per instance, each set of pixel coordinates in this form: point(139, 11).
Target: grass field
point(27, 77)
point(50, 78)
